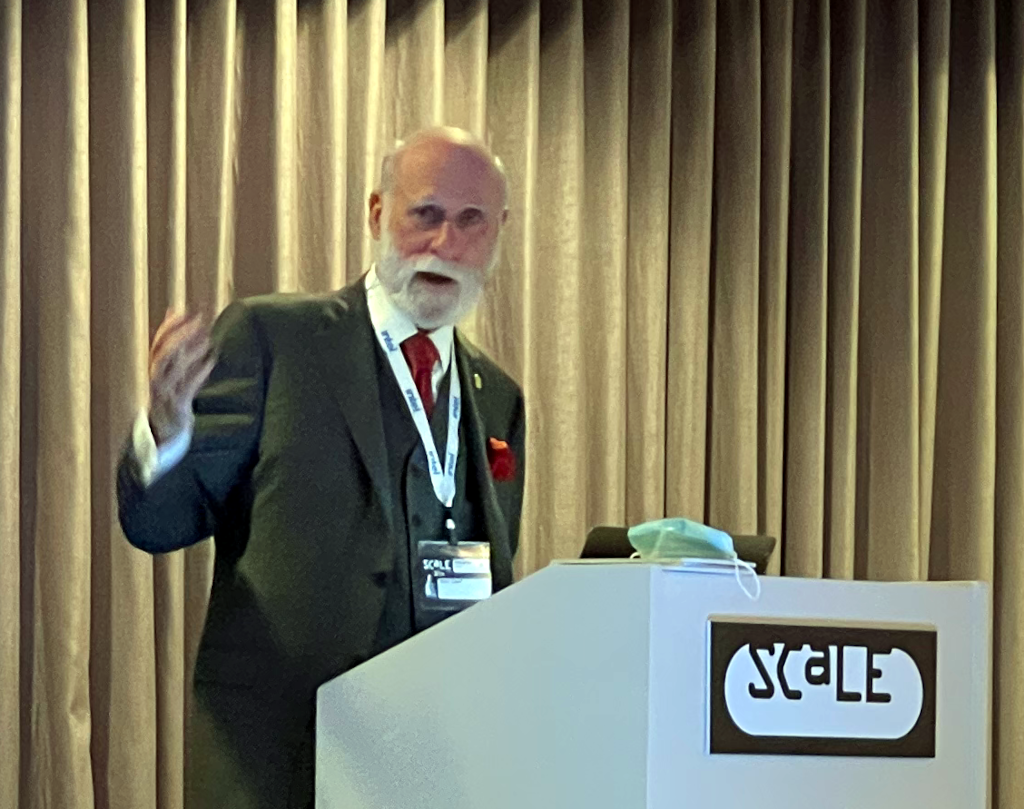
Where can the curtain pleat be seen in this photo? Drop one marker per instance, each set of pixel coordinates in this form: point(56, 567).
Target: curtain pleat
point(465, 66)
point(965, 426)
point(11, 616)
point(934, 111)
point(513, 99)
point(887, 409)
point(731, 467)
point(1008, 701)
point(254, 232)
point(365, 135)
point(603, 230)
point(776, 137)
point(647, 281)
point(763, 268)
point(166, 133)
point(845, 207)
point(465, 90)
point(216, 46)
point(322, 88)
point(414, 69)
point(122, 664)
point(807, 297)
point(1008, 568)
point(56, 401)
point(694, 104)
point(216, 49)
point(283, 117)
point(513, 122)
point(556, 435)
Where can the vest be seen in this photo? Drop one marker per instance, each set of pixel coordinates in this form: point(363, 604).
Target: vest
point(420, 516)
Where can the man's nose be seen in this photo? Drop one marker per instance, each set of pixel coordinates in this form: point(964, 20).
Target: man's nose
point(446, 243)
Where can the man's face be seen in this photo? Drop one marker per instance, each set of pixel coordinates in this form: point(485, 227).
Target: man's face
point(439, 229)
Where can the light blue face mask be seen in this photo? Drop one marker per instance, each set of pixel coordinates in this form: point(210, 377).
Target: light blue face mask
point(676, 539)
point(679, 538)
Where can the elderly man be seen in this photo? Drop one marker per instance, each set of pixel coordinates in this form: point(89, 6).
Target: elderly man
point(339, 448)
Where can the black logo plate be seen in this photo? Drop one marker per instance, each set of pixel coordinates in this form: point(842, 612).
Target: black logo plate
point(786, 689)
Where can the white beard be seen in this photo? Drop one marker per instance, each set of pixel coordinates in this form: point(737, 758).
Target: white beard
point(428, 306)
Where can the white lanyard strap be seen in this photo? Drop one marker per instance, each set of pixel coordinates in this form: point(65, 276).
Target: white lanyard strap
point(442, 476)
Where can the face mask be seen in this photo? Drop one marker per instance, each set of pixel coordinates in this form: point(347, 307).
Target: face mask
point(679, 541)
point(678, 538)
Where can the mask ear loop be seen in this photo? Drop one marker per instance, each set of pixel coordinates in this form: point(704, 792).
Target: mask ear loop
point(737, 565)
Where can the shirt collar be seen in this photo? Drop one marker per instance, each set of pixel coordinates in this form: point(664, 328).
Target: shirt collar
point(384, 315)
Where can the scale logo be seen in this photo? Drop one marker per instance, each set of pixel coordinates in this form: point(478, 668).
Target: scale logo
point(821, 690)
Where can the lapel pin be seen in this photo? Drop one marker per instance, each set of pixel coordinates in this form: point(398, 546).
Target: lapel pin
point(478, 382)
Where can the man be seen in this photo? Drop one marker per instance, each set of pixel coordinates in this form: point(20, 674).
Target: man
point(314, 438)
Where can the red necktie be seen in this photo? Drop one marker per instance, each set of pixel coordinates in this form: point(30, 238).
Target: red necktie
point(421, 354)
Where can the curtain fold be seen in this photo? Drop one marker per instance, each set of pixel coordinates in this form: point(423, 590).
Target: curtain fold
point(965, 424)
point(773, 257)
point(888, 389)
point(1008, 568)
point(602, 293)
point(808, 295)
point(122, 664)
point(694, 104)
point(555, 300)
point(845, 207)
point(763, 268)
point(365, 135)
point(934, 112)
point(651, 62)
point(731, 466)
point(12, 728)
point(56, 402)
point(164, 276)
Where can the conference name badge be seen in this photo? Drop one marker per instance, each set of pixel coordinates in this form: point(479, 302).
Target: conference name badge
point(451, 577)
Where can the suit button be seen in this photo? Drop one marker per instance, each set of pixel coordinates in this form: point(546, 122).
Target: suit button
point(417, 521)
point(381, 578)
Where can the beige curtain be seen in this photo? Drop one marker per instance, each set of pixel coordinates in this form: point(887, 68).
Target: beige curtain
point(765, 267)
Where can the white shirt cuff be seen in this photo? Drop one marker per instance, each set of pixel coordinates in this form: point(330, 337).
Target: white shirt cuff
point(154, 461)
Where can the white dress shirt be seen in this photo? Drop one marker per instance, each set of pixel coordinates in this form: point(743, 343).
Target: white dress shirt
point(385, 315)
point(156, 461)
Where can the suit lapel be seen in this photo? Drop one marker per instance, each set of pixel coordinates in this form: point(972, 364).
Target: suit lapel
point(476, 447)
point(346, 345)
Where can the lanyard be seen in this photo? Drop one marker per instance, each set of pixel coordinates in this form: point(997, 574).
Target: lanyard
point(442, 477)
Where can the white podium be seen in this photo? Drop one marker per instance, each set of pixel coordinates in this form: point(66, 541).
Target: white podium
point(624, 685)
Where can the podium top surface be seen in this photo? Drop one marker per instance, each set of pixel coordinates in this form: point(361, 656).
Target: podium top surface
point(776, 581)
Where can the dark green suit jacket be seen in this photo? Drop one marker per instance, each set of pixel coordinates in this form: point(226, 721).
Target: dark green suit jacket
point(287, 470)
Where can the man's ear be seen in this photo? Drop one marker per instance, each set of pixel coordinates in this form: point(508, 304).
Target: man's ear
point(376, 211)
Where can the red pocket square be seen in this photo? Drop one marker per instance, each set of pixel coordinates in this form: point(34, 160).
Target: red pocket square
point(502, 460)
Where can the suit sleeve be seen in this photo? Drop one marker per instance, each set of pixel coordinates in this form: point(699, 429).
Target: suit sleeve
point(517, 441)
point(188, 503)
